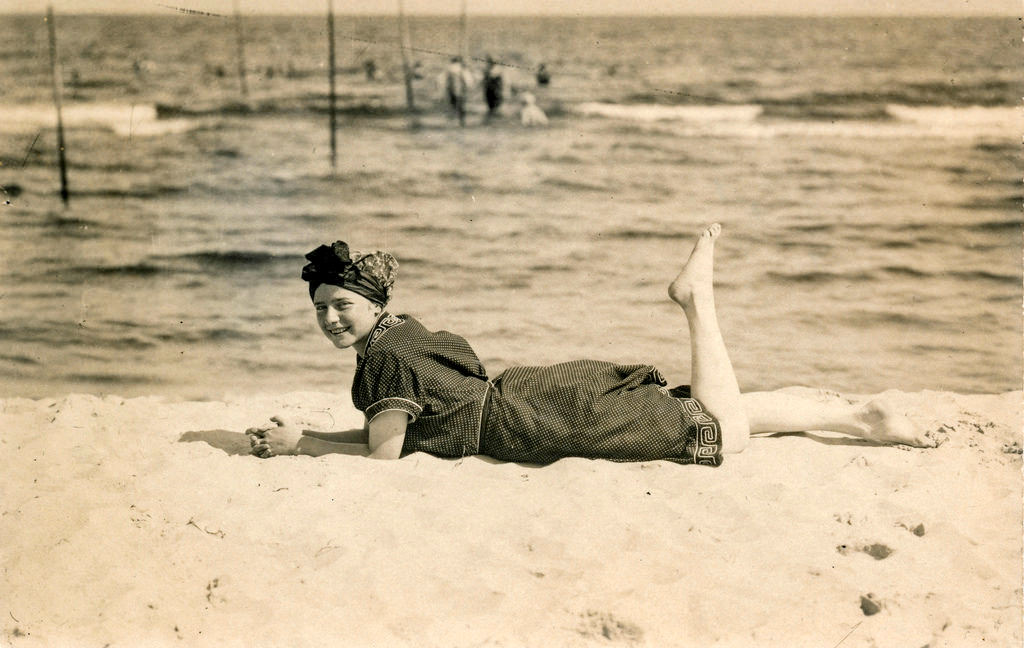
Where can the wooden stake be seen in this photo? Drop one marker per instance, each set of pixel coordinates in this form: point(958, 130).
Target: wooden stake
point(240, 38)
point(464, 53)
point(55, 70)
point(406, 45)
point(332, 96)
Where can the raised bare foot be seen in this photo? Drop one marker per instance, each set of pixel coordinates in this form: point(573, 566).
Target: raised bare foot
point(884, 424)
point(695, 279)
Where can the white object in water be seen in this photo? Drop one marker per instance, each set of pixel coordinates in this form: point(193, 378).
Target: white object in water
point(531, 114)
point(124, 119)
point(656, 112)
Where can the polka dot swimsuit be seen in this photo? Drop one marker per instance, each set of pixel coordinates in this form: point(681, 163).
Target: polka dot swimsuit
point(584, 408)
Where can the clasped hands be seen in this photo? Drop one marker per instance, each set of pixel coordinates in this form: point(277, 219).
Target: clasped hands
point(280, 439)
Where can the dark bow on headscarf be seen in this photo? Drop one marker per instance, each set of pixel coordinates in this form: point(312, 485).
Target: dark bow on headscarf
point(333, 265)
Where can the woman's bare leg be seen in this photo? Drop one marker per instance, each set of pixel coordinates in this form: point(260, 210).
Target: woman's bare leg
point(712, 380)
point(876, 420)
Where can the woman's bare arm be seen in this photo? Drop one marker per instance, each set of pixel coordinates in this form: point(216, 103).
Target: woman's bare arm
point(381, 439)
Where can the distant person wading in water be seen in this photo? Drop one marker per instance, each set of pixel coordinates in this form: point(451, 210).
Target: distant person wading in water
point(426, 391)
point(456, 80)
point(494, 89)
point(543, 76)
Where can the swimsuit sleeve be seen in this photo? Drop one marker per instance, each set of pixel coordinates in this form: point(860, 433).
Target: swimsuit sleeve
point(389, 384)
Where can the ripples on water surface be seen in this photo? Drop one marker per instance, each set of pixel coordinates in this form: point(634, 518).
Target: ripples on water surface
point(871, 209)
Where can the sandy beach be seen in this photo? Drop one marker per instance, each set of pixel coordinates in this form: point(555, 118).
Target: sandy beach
point(865, 169)
point(145, 522)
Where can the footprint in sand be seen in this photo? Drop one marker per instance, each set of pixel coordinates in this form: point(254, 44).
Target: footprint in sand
point(869, 604)
point(916, 529)
point(607, 627)
point(876, 550)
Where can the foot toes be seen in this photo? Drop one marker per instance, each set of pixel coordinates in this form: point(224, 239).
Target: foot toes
point(712, 231)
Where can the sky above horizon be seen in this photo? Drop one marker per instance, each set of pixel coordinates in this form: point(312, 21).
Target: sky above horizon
point(537, 7)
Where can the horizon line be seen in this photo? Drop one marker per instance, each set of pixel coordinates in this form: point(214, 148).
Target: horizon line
point(169, 10)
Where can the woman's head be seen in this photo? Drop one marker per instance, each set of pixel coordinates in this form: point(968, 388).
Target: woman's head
point(349, 291)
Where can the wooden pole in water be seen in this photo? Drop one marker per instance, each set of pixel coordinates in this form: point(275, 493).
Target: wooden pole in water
point(406, 45)
point(464, 53)
point(55, 70)
point(332, 95)
point(240, 40)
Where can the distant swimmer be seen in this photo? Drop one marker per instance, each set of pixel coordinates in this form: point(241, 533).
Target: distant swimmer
point(543, 76)
point(456, 78)
point(531, 114)
point(493, 87)
point(451, 81)
point(370, 69)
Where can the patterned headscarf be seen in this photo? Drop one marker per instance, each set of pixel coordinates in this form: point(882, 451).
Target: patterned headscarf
point(370, 275)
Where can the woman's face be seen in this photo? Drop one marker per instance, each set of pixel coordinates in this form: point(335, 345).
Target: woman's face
point(345, 317)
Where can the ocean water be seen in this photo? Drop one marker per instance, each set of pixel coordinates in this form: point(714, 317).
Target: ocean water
point(866, 171)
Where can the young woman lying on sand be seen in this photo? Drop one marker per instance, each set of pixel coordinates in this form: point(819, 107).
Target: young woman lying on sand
point(427, 391)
